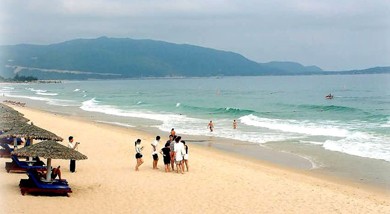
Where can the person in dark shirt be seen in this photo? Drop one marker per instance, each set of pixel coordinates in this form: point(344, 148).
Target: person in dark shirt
point(167, 157)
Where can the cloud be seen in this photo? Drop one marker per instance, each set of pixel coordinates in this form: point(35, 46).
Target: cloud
point(328, 33)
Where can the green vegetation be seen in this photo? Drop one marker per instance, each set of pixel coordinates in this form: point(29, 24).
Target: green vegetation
point(108, 58)
point(18, 78)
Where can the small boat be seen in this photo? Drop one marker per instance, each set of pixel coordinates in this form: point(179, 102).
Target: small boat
point(329, 96)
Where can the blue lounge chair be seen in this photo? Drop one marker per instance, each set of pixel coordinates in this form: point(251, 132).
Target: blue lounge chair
point(20, 166)
point(34, 185)
point(10, 140)
point(5, 151)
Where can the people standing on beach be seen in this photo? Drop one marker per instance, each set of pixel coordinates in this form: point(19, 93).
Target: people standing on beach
point(173, 133)
point(138, 155)
point(185, 157)
point(155, 152)
point(179, 153)
point(166, 153)
point(172, 147)
point(72, 145)
point(234, 124)
point(211, 126)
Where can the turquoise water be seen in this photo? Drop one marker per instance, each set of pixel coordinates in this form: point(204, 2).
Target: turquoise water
point(268, 109)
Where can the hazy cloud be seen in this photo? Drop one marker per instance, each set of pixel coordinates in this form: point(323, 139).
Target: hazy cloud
point(331, 34)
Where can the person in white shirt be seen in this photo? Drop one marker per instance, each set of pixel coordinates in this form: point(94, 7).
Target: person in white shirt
point(179, 153)
point(155, 151)
point(138, 155)
point(72, 145)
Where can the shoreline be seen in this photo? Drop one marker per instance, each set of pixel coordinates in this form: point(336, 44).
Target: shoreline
point(286, 157)
point(107, 182)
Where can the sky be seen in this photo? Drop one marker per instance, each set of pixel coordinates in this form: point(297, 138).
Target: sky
point(332, 34)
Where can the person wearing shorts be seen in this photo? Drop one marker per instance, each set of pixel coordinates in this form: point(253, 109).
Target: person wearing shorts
point(154, 151)
point(138, 154)
point(179, 152)
point(166, 153)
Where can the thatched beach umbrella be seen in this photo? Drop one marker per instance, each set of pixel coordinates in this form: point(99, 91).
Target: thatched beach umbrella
point(9, 111)
point(11, 124)
point(32, 132)
point(50, 150)
point(6, 108)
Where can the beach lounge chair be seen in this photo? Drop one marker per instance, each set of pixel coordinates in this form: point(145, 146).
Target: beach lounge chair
point(21, 166)
point(10, 140)
point(34, 185)
point(5, 151)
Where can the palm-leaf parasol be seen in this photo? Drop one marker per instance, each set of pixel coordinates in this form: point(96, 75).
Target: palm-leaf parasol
point(49, 150)
point(32, 131)
point(11, 124)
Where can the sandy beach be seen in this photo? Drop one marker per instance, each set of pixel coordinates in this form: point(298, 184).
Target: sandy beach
point(217, 182)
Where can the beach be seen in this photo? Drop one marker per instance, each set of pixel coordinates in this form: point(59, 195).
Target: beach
point(218, 182)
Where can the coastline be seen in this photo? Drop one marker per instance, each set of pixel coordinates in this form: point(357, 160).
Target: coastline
point(218, 181)
point(310, 159)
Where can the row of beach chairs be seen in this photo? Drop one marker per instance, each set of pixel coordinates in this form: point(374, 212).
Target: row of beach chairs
point(33, 184)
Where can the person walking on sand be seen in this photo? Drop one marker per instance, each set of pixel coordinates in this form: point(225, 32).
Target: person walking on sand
point(185, 157)
point(166, 153)
point(72, 145)
point(179, 153)
point(234, 124)
point(155, 152)
point(138, 155)
point(173, 133)
point(211, 126)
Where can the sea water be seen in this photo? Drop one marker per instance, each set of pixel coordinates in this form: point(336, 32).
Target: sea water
point(269, 109)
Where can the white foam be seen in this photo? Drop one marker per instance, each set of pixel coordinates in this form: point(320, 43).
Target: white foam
point(47, 94)
point(116, 123)
point(77, 89)
point(7, 88)
point(194, 126)
point(55, 102)
point(94, 106)
point(177, 104)
point(293, 126)
point(363, 145)
point(36, 90)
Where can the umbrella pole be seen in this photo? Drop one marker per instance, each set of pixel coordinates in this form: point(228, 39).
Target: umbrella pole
point(30, 143)
point(15, 143)
point(48, 173)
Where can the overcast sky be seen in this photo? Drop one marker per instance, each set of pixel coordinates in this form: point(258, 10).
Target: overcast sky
point(332, 34)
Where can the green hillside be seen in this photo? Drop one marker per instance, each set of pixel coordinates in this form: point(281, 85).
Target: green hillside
point(127, 58)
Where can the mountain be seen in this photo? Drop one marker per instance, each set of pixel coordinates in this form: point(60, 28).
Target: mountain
point(108, 58)
point(126, 58)
point(292, 67)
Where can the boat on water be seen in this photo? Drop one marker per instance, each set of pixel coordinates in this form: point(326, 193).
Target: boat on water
point(329, 96)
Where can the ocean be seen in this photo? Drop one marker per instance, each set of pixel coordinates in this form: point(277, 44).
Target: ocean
point(270, 110)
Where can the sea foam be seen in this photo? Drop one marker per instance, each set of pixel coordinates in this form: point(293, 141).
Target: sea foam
point(294, 126)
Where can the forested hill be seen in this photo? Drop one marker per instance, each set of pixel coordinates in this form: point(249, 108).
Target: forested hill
point(108, 58)
point(127, 58)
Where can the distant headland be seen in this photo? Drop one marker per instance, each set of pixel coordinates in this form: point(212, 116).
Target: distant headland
point(117, 58)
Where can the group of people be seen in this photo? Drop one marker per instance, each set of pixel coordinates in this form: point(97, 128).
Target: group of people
point(174, 152)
